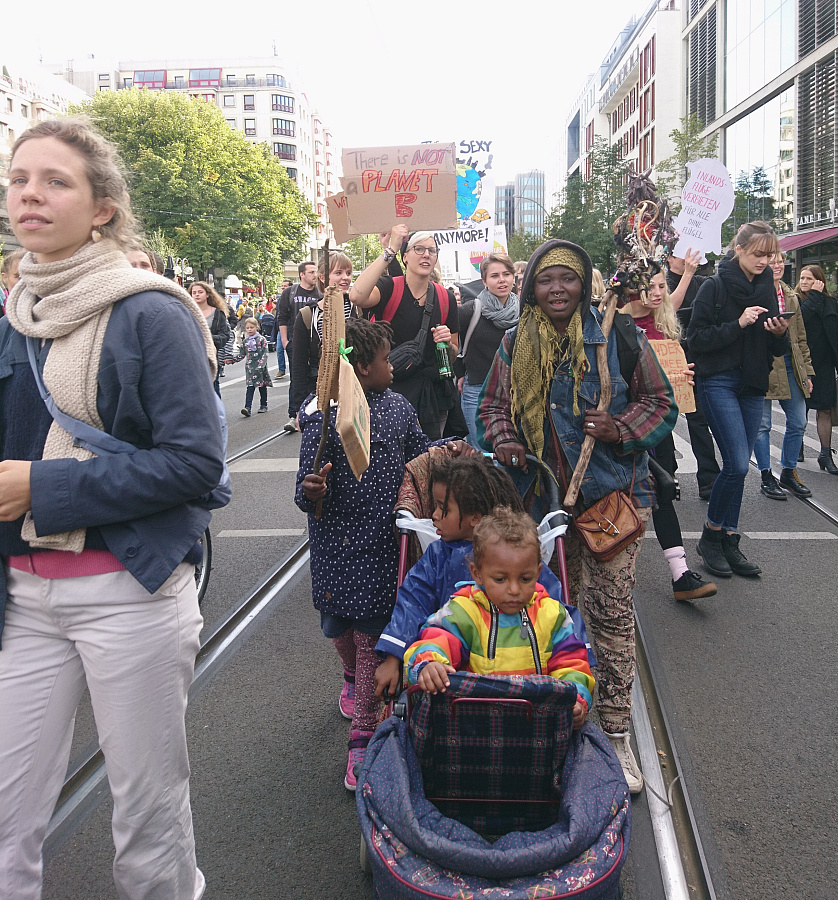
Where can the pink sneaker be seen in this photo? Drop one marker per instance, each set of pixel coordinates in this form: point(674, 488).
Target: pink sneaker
point(347, 700)
point(357, 750)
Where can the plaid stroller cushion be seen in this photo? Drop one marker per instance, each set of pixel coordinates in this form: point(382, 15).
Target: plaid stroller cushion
point(473, 749)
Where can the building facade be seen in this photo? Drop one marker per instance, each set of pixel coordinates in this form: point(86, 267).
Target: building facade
point(521, 203)
point(26, 98)
point(763, 77)
point(635, 99)
point(257, 98)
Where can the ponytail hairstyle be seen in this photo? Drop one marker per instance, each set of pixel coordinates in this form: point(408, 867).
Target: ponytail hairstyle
point(105, 171)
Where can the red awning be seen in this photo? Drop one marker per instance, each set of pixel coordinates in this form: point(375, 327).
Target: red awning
point(807, 238)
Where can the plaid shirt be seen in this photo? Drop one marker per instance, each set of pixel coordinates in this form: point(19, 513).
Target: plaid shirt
point(649, 416)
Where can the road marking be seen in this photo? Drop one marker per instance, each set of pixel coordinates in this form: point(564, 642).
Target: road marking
point(262, 532)
point(771, 535)
point(286, 464)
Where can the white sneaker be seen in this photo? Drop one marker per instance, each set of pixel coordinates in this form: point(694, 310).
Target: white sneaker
point(200, 884)
point(631, 771)
point(291, 426)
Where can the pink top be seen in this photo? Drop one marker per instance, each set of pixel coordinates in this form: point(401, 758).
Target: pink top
point(781, 299)
point(65, 564)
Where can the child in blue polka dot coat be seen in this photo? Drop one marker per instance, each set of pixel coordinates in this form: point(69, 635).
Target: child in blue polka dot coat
point(354, 548)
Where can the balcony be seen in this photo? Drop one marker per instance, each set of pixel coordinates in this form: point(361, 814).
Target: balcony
point(250, 132)
point(249, 107)
point(288, 132)
point(282, 155)
point(281, 107)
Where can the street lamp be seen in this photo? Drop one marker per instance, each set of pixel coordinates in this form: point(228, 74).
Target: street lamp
point(182, 263)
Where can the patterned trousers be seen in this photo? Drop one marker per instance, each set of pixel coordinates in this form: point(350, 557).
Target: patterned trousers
point(607, 605)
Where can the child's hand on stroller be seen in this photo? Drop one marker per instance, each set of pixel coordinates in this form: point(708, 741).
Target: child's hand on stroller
point(434, 677)
point(314, 486)
point(580, 713)
point(387, 677)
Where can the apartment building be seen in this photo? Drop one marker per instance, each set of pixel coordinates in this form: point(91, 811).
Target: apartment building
point(257, 98)
point(27, 96)
point(521, 203)
point(635, 99)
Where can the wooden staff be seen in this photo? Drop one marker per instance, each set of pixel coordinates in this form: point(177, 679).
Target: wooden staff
point(610, 301)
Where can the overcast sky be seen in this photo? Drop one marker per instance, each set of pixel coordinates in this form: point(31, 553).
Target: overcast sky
point(379, 73)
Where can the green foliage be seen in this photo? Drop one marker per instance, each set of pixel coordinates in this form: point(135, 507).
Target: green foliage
point(362, 251)
point(753, 199)
point(587, 209)
point(209, 193)
point(521, 245)
point(671, 173)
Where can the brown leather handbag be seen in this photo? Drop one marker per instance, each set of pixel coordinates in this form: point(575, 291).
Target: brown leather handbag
point(609, 526)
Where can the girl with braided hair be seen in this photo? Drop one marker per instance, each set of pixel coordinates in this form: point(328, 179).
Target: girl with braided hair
point(464, 490)
point(354, 548)
point(540, 397)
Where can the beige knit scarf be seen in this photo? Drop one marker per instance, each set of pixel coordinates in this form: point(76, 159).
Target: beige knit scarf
point(70, 301)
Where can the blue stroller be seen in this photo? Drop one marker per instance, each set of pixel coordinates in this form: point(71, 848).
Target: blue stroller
point(493, 755)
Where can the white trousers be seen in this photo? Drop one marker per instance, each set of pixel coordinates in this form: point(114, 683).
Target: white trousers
point(136, 654)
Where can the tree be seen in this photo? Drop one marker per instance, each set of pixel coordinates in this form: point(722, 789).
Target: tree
point(671, 173)
point(521, 244)
point(362, 250)
point(213, 196)
point(588, 208)
point(753, 199)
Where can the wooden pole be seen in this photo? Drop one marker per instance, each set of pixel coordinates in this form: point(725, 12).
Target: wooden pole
point(327, 412)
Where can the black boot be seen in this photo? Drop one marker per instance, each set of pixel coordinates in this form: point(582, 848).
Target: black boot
point(769, 486)
point(791, 481)
point(710, 550)
point(736, 558)
point(825, 460)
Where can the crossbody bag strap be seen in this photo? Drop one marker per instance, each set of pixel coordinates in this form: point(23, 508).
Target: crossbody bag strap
point(475, 318)
point(422, 336)
point(93, 439)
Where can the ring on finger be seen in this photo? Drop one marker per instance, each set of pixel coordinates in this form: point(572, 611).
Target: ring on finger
point(514, 460)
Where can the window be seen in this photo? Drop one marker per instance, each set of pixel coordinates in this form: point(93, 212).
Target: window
point(250, 101)
point(180, 81)
point(319, 189)
point(292, 173)
point(127, 82)
point(633, 99)
point(232, 123)
point(209, 98)
point(328, 159)
point(282, 102)
point(151, 78)
point(613, 122)
point(318, 169)
point(285, 151)
point(283, 126)
point(250, 127)
point(231, 81)
point(24, 110)
point(104, 78)
point(204, 78)
point(229, 99)
point(318, 148)
point(250, 80)
point(270, 80)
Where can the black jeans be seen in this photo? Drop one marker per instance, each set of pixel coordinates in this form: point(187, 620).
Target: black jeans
point(292, 412)
point(703, 446)
point(263, 396)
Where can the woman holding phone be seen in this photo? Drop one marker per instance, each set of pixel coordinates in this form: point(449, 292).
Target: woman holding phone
point(734, 334)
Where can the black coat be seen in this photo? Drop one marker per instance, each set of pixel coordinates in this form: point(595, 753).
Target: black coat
point(820, 316)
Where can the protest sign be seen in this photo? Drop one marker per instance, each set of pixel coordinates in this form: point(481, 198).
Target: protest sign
point(674, 363)
point(475, 200)
point(339, 217)
point(706, 202)
point(415, 184)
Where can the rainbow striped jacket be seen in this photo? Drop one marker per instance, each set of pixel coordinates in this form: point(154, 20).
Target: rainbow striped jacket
point(470, 633)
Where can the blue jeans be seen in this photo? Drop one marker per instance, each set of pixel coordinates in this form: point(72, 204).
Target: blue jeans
point(280, 354)
point(734, 419)
point(795, 410)
point(468, 401)
point(263, 396)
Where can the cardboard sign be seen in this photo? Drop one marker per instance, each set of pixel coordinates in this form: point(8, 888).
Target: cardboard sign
point(414, 184)
point(339, 217)
point(706, 202)
point(674, 363)
point(353, 420)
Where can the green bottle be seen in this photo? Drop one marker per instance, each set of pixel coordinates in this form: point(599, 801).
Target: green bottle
point(443, 360)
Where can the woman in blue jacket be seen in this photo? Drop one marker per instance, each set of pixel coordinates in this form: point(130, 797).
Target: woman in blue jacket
point(98, 552)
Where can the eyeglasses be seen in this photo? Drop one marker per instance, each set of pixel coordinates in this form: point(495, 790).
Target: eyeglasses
point(421, 251)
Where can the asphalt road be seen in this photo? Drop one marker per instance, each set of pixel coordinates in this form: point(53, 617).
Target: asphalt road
point(744, 678)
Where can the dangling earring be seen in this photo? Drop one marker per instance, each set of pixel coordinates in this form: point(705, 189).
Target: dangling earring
point(96, 235)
